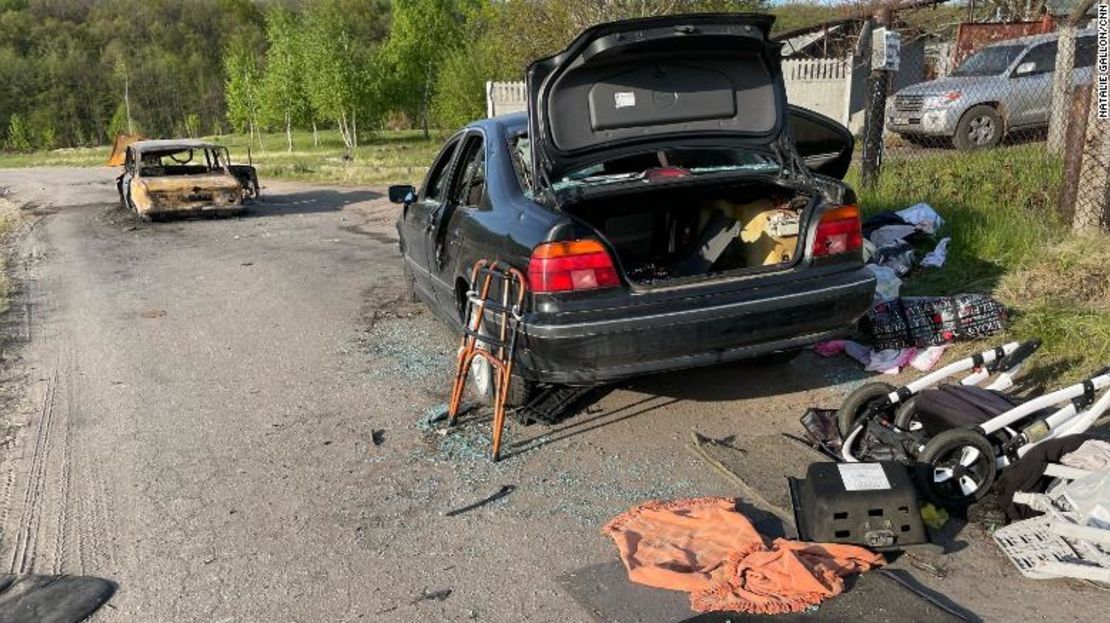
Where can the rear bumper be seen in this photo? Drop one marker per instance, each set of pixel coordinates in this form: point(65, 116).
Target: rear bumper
point(696, 331)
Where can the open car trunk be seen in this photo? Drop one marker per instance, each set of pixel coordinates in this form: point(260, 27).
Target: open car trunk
point(665, 234)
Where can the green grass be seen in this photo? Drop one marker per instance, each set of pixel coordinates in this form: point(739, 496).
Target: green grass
point(384, 158)
point(9, 218)
point(1008, 241)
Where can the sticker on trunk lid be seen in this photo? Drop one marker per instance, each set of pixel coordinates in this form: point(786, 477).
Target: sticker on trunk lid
point(863, 477)
point(624, 99)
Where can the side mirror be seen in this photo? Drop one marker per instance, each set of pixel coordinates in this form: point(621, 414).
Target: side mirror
point(402, 193)
point(1025, 69)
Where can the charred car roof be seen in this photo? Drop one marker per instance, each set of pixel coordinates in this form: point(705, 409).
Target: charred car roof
point(171, 145)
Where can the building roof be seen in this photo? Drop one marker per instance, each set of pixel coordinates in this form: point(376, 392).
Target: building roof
point(1063, 8)
point(1041, 38)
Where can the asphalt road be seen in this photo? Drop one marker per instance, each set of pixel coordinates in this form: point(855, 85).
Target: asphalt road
point(224, 417)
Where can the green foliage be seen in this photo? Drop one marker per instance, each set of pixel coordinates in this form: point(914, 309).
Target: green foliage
point(19, 138)
point(285, 101)
point(421, 34)
point(242, 91)
point(340, 43)
point(73, 61)
point(1008, 241)
point(118, 123)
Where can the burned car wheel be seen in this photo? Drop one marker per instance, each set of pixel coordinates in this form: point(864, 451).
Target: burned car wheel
point(979, 128)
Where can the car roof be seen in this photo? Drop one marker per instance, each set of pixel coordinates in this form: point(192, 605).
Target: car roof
point(510, 123)
point(172, 144)
point(1042, 38)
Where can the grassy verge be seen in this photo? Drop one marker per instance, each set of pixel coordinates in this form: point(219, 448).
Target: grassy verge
point(1008, 241)
point(9, 218)
point(385, 158)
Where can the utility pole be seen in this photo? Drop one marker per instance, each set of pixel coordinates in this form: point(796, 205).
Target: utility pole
point(127, 103)
point(1062, 76)
point(878, 86)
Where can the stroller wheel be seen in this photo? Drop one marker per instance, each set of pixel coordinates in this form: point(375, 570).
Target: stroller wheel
point(956, 468)
point(904, 416)
point(857, 402)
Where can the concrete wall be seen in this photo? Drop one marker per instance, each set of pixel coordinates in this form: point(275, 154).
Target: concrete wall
point(505, 98)
point(823, 85)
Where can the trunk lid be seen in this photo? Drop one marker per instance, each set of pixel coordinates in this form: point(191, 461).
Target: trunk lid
point(631, 87)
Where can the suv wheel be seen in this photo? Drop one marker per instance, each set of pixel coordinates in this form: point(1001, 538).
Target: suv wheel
point(979, 128)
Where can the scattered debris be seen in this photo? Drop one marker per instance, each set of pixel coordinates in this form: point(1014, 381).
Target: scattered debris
point(440, 412)
point(439, 595)
point(377, 436)
point(502, 492)
point(555, 403)
point(936, 257)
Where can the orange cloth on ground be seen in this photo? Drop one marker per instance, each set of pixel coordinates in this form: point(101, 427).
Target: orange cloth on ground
point(708, 549)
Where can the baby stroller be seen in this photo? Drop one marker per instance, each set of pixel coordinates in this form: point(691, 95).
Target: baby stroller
point(957, 436)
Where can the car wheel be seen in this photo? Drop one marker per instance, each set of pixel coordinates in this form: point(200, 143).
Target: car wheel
point(481, 381)
point(979, 128)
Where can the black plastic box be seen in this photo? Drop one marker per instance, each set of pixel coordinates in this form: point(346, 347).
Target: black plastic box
point(870, 504)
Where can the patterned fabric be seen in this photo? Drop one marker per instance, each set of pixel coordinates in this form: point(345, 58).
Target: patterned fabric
point(932, 321)
point(708, 549)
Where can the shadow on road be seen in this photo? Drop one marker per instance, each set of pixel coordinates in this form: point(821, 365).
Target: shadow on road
point(309, 202)
point(756, 378)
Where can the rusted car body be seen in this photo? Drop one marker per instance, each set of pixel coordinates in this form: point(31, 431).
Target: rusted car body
point(182, 177)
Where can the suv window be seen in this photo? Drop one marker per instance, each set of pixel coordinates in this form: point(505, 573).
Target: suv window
point(471, 180)
point(1085, 48)
point(1043, 58)
point(436, 182)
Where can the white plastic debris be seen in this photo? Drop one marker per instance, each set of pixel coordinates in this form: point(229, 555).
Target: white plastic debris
point(887, 283)
point(1090, 497)
point(922, 216)
point(937, 256)
point(890, 361)
point(926, 359)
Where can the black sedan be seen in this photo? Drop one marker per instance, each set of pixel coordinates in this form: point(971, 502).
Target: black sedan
point(669, 208)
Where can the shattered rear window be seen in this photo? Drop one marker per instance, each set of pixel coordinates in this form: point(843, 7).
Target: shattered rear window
point(677, 162)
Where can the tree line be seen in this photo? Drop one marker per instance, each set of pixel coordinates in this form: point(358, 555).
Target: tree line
point(77, 72)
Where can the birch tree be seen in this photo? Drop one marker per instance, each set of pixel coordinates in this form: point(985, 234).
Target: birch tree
point(336, 66)
point(243, 89)
point(285, 101)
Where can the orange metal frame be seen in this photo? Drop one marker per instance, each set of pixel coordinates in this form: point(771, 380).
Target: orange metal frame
point(500, 352)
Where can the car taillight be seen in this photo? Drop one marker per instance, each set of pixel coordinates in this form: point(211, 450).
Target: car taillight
point(567, 266)
point(838, 232)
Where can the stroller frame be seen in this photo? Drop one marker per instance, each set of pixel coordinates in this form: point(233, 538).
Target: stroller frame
point(958, 465)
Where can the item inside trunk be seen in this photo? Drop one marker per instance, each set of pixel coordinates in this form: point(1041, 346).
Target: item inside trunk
point(682, 232)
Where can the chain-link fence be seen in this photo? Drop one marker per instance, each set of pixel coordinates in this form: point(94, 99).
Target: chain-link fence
point(1007, 85)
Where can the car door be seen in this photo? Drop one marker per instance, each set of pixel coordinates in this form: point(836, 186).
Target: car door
point(453, 226)
point(823, 143)
point(123, 182)
point(419, 217)
point(1031, 90)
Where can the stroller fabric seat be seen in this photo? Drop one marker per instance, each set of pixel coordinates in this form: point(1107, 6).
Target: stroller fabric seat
point(959, 406)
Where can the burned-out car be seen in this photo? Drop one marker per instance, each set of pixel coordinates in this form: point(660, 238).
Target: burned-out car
point(668, 207)
point(182, 177)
